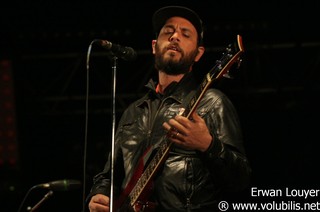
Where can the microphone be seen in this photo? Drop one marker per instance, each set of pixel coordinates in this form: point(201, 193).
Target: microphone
point(124, 52)
point(61, 185)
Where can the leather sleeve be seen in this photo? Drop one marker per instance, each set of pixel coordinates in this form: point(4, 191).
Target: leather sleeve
point(102, 182)
point(226, 152)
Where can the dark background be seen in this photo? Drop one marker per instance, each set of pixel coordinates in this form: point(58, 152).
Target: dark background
point(276, 90)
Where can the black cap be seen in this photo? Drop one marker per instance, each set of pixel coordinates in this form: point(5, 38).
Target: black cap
point(163, 14)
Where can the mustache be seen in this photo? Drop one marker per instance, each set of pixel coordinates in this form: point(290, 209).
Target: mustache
point(174, 46)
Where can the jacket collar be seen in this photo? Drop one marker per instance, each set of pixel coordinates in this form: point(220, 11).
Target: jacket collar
point(176, 90)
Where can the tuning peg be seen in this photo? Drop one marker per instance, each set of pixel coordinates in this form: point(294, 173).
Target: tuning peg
point(239, 61)
point(228, 75)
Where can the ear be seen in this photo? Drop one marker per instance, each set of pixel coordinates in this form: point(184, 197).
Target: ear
point(201, 50)
point(154, 42)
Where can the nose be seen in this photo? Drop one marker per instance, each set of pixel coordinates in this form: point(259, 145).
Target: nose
point(174, 36)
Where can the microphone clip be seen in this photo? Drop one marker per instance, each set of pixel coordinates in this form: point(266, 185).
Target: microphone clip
point(124, 52)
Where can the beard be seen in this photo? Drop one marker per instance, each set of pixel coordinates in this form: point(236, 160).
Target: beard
point(172, 67)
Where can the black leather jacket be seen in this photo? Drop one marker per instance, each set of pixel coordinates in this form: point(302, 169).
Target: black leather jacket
point(188, 180)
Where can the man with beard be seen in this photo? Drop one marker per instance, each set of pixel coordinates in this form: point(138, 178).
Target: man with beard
point(206, 158)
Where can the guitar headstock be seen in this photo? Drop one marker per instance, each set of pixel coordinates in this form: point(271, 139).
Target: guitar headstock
point(230, 60)
point(230, 57)
point(235, 47)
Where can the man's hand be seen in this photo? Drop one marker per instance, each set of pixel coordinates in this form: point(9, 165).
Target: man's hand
point(99, 203)
point(189, 134)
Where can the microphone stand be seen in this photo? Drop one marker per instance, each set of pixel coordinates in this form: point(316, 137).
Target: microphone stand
point(114, 70)
point(46, 196)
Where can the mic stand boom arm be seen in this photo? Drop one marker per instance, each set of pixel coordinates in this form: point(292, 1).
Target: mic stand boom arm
point(48, 194)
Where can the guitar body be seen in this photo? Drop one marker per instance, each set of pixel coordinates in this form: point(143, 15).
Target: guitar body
point(124, 202)
point(136, 195)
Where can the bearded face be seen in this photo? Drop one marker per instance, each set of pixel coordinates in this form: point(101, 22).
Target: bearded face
point(170, 65)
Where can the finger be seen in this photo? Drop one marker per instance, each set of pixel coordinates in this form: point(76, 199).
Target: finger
point(178, 123)
point(184, 125)
point(171, 131)
point(166, 126)
point(175, 134)
point(171, 126)
point(195, 116)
